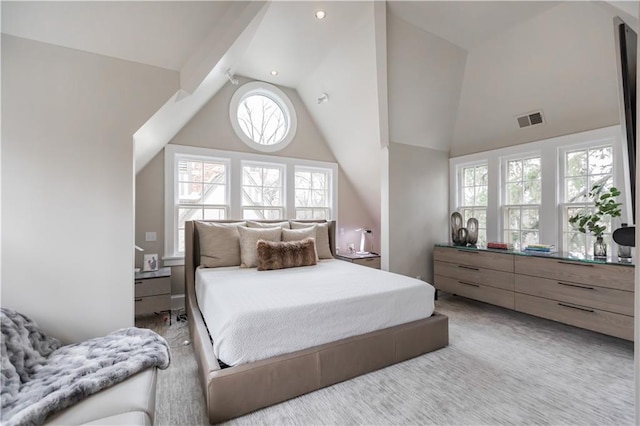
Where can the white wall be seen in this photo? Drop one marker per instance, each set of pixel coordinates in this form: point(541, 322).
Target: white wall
point(418, 208)
point(67, 183)
point(425, 81)
point(211, 128)
point(562, 61)
point(350, 121)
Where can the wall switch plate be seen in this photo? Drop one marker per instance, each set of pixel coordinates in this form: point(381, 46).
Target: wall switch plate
point(150, 236)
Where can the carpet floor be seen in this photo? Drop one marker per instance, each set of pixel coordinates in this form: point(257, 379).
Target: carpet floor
point(501, 367)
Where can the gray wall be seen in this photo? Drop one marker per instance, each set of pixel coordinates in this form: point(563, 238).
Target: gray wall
point(418, 208)
point(211, 128)
point(67, 183)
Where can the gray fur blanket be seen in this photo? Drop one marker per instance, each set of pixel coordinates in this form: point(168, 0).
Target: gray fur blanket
point(41, 377)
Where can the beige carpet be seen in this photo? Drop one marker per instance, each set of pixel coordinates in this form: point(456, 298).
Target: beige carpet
point(501, 367)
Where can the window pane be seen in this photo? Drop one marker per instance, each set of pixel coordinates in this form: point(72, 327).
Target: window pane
point(481, 215)
point(185, 214)
point(576, 243)
point(481, 175)
point(529, 237)
point(303, 198)
point(514, 171)
point(251, 196)
point(319, 180)
point(530, 219)
point(214, 214)
point(252, 176)
point(601, 160)
point(272, 177)
point(532, 193)
point(215, 194)
point(606, 180)
point(481, 196)
point(514, 193)
point(531, 169)
point(262, 119)
point(303, 180)
point(214, 173)
point(189, 193)
point(576, 164)
point(271, 196)
point(304, 214)
point(576, 189)
point(320, 214)
point(181, 240)
point(468, 176)
point(319, 198)
point(469, 196)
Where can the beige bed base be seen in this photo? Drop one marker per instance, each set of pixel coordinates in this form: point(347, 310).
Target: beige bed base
point(234, 391)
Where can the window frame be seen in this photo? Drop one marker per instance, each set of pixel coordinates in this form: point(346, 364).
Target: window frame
point(283, 188)
point(550, 222)
point(503, 195)
point(281, 100)
point(234, 183)
point(563, 205)
point(460, 196)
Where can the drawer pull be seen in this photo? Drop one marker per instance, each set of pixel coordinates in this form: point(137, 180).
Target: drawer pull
point(472, 285)
point(468, 267)
point(138, 282)
point(589, 265)
point(137, 300)
point(468, 251)
point(575, 307)
point(576, 285)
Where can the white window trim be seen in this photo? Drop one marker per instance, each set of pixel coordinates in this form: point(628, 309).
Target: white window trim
point(550, 231)
point(312, 169)
point(275, 94)
point(235, 159)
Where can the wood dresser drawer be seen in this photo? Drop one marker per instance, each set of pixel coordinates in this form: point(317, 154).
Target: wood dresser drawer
point(150, 304)
point(473, 274)
point(592, 319)
point(153, 286)
point(470, 257)
point(372, 262)
point(606, 299)
point(475, 291)
point(601, 275)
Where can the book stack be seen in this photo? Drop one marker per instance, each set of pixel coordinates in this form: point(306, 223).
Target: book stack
point(500, 246)
point(540, 248)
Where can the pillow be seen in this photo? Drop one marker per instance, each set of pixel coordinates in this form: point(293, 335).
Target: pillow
point(322, 237)
point(219, 244)
point(300, 234)
point(286, 254)
point(254, 224)
point(248, 243)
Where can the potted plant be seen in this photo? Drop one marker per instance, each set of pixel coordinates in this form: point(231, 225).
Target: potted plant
point(606, 205)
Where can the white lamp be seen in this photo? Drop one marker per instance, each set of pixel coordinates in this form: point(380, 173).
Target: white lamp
point(362, 240)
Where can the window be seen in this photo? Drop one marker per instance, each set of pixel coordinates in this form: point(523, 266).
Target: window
point(262, 191)
point(262, 116)
point(312, 189)
point(202, 192)
point(473, 194)
point(522, 198)
point(583, 168)
point(208, 184)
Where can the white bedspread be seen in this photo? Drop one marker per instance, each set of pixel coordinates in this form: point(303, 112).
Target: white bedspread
point(253, 315)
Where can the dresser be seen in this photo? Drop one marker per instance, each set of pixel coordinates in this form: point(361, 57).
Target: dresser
point(153, 292)
point(595, 295)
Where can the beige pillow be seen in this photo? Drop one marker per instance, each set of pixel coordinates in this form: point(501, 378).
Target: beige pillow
point(249, 240)
point(300, 234)
point(219, 244)
point(254, 224)
point(322, 237)
point(291, 254)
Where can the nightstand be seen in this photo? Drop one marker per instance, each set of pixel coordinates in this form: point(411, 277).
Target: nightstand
point(153, 292)
point(371, 260)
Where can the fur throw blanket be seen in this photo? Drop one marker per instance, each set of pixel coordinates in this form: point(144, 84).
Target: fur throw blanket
point(41, 377)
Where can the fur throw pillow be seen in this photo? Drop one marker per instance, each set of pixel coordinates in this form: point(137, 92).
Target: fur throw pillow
point(286, 254)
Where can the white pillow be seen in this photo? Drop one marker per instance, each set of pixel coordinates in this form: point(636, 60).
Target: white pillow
point(254, 224)
point(219, 244)
point(249, 243)
point(322, 237)
point(300, 234)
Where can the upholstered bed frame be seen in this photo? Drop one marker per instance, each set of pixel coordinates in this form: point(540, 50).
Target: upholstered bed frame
point(234, 391)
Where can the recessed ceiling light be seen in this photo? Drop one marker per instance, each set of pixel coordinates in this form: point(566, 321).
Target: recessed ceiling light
point(274, 72)
point(321, 14)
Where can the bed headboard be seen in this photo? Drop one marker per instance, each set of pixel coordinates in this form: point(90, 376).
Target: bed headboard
point(192, 248)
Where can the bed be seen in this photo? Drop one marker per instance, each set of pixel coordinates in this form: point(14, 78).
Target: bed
point(266, 376)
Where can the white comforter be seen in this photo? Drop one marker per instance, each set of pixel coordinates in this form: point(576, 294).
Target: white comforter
point(253, 315)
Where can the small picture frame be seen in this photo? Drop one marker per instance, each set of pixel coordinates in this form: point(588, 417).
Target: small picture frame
point(150, 263)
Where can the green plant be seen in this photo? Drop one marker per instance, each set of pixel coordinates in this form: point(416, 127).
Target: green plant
point(606, 205)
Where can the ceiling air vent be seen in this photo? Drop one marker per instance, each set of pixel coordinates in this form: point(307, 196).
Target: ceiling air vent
point(530, 119)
